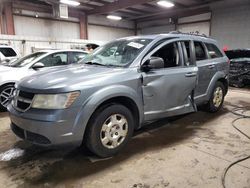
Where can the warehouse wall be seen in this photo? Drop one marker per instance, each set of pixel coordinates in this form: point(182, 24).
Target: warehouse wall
point(231, 26)
point(28, 44)
point(157, 29)
point(28, 26)
point(103, 33)
point(99, 28)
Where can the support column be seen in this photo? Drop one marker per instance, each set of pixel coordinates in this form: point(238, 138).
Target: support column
point(136, 28)
point(9, 19)
point(0, 21)
point(83, 26)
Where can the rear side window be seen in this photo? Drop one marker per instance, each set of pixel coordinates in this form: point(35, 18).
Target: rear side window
point(213, 51)
point(8, 52)
point(76, 57)
point(200, 52)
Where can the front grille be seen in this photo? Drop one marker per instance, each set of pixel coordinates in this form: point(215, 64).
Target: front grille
point(30, 136)
point(22, 100)
point(26, 95)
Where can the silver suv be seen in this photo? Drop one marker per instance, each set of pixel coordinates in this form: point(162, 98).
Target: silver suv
point(117, 88)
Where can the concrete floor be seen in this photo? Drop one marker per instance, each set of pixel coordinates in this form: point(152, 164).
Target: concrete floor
point(190, 151)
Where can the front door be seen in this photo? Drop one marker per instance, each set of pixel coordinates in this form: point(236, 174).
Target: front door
point(169, 91)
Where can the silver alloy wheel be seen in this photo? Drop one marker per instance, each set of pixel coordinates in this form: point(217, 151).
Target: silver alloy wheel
point(218, 97)
point(114, 131)
point(6, 95)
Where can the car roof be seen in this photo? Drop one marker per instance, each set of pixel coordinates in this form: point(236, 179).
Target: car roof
point(5, 46)
point(66, 50)
point(173, 35)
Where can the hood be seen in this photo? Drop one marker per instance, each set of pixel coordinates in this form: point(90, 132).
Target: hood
point(12, 74)
point(70, 78)
point(6, 69)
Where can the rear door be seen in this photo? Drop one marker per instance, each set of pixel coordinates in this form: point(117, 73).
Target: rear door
point(207, 69)
point(168, 91)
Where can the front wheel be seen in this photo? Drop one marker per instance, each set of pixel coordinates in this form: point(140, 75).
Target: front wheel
point(109, 130)
point(6, 93)
point(217, 98)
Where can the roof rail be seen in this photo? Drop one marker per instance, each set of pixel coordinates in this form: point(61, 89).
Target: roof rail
point(192, 33)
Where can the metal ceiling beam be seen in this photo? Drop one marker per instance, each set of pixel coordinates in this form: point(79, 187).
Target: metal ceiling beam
point(116, 6)
point(140, 11)
point(175, 13)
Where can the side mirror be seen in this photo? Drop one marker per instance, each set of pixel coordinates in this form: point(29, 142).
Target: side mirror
point(153, 63)
point(38, 65)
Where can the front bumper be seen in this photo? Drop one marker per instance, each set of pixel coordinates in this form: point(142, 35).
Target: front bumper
point(46, 127)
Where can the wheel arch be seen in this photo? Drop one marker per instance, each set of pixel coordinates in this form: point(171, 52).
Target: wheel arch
point(219, 76)
point(7, 83)
point(113, 94)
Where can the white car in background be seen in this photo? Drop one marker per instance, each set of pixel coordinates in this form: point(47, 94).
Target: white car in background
point(7, 54)
point(11, 72)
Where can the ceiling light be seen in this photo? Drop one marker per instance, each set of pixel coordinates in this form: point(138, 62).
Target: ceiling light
point(70, 2)
point(112, 17)
point(166, 4)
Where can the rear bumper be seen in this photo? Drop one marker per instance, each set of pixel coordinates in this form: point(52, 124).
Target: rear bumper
point(47, 128)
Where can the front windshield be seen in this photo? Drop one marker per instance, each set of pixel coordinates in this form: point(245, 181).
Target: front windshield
point(118, 53)
point(25, 60)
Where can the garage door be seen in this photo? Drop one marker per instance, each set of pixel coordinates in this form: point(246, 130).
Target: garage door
point(201, 28)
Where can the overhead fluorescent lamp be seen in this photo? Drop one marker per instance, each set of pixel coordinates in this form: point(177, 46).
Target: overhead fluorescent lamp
point(70, 2)
point(166, 4)
point(112, 17)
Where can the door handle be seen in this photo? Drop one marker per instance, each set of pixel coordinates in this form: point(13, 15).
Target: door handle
point(190, 74)
point(211, 66)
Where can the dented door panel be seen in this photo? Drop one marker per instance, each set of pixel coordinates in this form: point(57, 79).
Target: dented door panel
point(168, 91)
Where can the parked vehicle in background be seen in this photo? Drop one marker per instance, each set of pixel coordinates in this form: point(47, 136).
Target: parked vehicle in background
point(11, 72)
point(239, 73)
point(7, 54)
point(118, 88)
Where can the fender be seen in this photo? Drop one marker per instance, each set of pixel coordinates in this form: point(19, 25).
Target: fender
point(218, 75)
point(97, 98)
point(8, 82)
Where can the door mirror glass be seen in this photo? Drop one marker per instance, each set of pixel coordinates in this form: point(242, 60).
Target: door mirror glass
point(153, 63)
point(38, 65)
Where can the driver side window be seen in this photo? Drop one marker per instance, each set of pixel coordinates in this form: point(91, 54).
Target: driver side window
point(56, 59)
point(170, 55)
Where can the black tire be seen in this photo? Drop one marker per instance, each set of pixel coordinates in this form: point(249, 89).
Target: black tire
point(3, 88)
point(94, 129)
point(210, 106)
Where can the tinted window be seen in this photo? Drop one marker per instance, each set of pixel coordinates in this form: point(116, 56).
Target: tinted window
point(213, 51)
point(56, 59)
point(199, 51)
point(8, 52)
point(170, 54)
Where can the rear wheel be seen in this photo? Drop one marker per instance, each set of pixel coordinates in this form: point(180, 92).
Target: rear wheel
point(109, 130)
point(6, 93)
point(217, 98)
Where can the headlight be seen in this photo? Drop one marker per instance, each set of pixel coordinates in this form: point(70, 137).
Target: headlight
point(54, 101)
